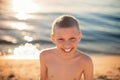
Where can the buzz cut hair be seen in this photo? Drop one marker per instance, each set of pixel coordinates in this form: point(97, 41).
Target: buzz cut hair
point(65, 21)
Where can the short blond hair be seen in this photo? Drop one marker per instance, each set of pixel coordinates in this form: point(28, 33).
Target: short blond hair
point(65, 21)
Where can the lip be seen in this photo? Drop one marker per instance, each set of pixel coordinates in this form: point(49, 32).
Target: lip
point(67, 51)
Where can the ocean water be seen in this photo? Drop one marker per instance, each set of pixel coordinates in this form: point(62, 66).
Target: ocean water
point(29, 21)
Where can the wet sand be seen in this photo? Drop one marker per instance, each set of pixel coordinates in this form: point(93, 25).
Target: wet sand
point(106, 67)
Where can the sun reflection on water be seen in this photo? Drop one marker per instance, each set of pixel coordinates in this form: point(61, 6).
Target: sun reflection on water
point(28, 38)
point(27, 51)
point(19, 25)
point(22, 16)
point(24, 6)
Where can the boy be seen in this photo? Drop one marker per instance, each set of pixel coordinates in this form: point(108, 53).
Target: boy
point(65, 62)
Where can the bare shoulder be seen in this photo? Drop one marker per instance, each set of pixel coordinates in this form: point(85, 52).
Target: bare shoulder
point(84, 57)
point(47, 52)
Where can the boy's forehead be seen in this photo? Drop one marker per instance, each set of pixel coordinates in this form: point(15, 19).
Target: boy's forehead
point(66, 30)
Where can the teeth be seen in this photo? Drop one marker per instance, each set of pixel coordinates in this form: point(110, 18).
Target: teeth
point(67, 50)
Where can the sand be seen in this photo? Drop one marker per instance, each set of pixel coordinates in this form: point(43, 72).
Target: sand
point(105, 68)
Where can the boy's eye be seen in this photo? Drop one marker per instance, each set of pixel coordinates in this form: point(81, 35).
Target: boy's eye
point(60, 39)
point(72, 39)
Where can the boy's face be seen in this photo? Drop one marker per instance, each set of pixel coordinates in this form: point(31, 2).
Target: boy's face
point(66, 39)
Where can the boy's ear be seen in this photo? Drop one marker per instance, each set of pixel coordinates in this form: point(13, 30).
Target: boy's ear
point(80, 36)
point(52, 38)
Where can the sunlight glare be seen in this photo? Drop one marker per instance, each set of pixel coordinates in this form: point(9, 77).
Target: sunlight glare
point(27, 51)
point(24, 6)
point(22, 16)
point(28, 38)
point(20, 26)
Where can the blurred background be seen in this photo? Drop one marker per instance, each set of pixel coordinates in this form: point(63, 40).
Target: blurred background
point(29, 21)
point(25, 28)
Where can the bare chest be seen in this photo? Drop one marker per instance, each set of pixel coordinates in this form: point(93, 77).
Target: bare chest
point(64, 70)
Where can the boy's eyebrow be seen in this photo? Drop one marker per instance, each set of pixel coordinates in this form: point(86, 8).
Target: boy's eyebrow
point(72, 37)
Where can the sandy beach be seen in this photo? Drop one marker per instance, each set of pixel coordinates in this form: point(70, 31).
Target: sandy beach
point(106, 67)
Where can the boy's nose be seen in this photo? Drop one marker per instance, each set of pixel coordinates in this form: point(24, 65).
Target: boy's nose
point(67, 44)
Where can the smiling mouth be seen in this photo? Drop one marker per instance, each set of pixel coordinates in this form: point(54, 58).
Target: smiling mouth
point(67, 50)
